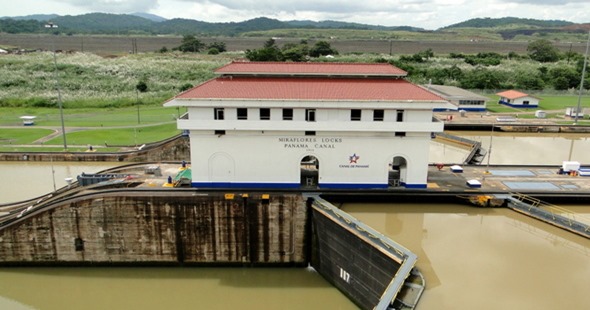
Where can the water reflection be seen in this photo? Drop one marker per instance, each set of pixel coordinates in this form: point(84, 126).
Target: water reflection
point(487, 258)
point(168, 288)
point(24, 180)
point(532, 148)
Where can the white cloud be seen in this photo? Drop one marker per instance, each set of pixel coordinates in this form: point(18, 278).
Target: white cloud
point(113, 6)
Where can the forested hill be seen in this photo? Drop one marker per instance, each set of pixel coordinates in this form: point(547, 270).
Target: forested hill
point(509, 21)
point(103, 23)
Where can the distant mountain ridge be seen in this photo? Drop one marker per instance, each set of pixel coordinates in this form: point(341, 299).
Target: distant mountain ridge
point(506, 21)
point(144, 23)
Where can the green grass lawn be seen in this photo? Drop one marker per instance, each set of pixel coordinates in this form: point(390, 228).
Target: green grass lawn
point(91, 117)
point(22, 135)
point(53, 149)
point(120, 136)
point(562, 102)
point(549, 103)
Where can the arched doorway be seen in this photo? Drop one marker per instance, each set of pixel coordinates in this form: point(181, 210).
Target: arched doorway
point(398, 169)
point(310, 171)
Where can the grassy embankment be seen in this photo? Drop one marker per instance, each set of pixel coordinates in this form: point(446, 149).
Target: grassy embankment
point(99, 96)
point(553, 105)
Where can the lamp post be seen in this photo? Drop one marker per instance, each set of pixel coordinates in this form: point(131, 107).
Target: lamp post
point(582, 81)
point(59, 102)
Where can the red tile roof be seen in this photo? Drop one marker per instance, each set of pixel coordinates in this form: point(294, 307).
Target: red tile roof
point(285, 88)
point(511, 94)
point(311, 68)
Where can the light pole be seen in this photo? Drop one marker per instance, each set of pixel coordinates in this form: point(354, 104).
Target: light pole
point(583, 76)
point(51, 25)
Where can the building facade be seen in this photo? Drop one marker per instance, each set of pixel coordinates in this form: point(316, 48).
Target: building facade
point(461, 98)
point(517, 99)
point(291, 125)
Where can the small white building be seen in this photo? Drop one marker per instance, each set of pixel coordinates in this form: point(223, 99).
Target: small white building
point(28, 120)
point(517, 99)
point(287, 125)
point(572, 111)
point(461, 98)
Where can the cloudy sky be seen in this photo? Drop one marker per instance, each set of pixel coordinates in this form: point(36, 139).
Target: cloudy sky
point(428, 14)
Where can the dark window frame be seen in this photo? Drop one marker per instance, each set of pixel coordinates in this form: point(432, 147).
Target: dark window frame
point(310, 115)
point(242, 113)
point(219, 113)
point(378, 118)
point(287, 114)
point(264, 114)
point(400, 115)
point(356, 115)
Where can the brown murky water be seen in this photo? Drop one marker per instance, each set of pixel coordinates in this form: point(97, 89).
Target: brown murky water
point(471, 258)
point(487, 258)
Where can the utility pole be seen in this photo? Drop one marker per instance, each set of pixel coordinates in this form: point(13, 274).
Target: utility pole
point(582, 81)
point(51, 25)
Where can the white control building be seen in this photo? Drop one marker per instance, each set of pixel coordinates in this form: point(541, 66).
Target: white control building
point(291, 125)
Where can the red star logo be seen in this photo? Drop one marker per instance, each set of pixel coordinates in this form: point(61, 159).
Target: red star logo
point(354, 158)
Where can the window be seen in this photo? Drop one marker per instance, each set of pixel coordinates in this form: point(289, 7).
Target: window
point(525, 102)
point(310, 115)
point(400, 133)
point(471, 102)
point(355, 115)
point(219, 132)
point(310, 133)
point(264, 114)
point(242, 113)
point(400, 116)
point(378, 115)
point(287, 114)
point(218, 113)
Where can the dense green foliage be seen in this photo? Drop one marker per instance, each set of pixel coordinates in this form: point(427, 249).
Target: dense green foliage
point(20, 26)
point(542, 50)
point(491, 71)
point(87, 80)
point(190, 44)
point(290, 51)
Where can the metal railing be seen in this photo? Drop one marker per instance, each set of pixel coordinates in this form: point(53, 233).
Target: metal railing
point(559, 216)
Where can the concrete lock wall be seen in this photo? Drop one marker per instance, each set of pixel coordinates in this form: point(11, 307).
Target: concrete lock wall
point(360, 270)
point(116, 227)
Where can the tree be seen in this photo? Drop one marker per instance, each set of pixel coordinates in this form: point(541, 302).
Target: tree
point(482, 78)
point(564, 78)
point(295, 52)
point(219, 46)
point(264, 54)
point(190, 44)
point(185, 86)
point(427, 54)
point(141, 86)
point(542, 50)
point(270, 52)
point(322, 48)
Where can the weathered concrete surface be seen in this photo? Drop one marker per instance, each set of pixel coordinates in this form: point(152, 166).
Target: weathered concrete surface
point(365, 265)
point(176, 148)
point(130, 226)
